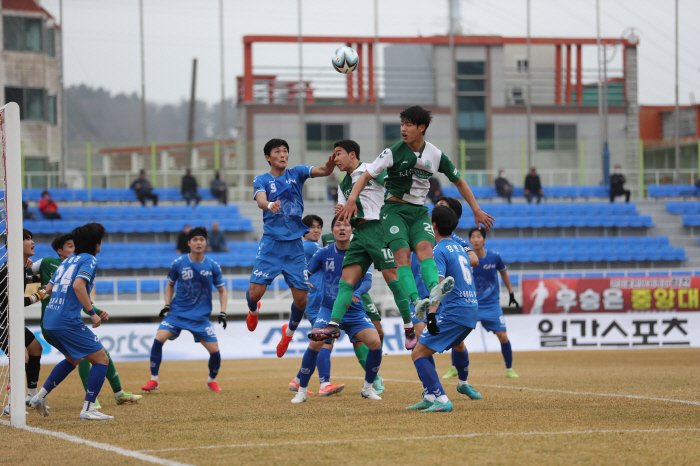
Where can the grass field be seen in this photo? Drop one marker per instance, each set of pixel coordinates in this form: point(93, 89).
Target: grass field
point(567, 407)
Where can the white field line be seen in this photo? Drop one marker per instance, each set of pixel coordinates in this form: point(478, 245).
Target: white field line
point(431, 437)
point(101, 446)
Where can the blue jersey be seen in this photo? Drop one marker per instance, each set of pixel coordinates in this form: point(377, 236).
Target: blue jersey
point(193, 285)
point(460, 305)
point(330, 260)
point(486, 279)
point(63, 310)
point(461, 241)
point(316, 293)
point(286, 224)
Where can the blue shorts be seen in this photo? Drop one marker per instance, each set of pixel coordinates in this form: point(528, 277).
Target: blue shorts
point(201, 331)
point(312, 315)
point(414, 319)
point(491, 318)
point(353, 322)
point(76, 342)
point(451, 335)
point(281, 257)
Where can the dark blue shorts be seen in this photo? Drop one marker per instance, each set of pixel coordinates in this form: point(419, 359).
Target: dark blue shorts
point(76, 342)
point(353, 322)
point(451, 335)
point(281, 257)
point(491, 318)
point(202, 331)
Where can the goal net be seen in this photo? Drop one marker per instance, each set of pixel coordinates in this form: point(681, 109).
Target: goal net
point(11, 270)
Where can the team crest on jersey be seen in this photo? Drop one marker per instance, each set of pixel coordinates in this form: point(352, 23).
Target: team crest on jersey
point(428, 165)
point(393, 230)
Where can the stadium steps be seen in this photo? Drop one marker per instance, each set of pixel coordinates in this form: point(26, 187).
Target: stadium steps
point(324, 209)
point(672, 226)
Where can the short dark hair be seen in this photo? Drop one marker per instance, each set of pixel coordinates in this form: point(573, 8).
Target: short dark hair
point(273, 144)
point(310, 219)
point(417, 115)
point(45, 192)
point(445, 220)
point(59, 242)
point(197, 231)
point(480, 230)
point(453, 204)
point(87, 237)
point(349, 145)
point(26, 234)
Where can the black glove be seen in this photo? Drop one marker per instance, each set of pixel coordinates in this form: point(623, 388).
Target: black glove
point(433, 328)
point(222, 319)
point(164, 311)
point(513, 301)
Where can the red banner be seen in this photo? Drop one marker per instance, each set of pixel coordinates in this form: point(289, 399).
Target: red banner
point(567, 295)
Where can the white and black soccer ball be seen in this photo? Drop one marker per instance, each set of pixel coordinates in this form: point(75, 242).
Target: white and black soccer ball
point(345, 60)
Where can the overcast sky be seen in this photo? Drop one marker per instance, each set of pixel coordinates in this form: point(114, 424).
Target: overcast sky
point(102, 37)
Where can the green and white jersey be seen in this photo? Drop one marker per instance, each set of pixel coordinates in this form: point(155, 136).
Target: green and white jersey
point(408, 172)
point(371, 199)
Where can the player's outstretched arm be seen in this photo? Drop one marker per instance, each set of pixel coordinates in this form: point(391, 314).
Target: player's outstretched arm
point(324, 170)
point(350, 207)
point(263, 203)
point(506, 281)
point(481, 217)
point(473, 258)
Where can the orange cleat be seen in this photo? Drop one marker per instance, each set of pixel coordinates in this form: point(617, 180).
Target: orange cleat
point(284, 342)
point(252, 320)
point(331, 389)
point(151, 386)
point(214, 387)
point(293, 386)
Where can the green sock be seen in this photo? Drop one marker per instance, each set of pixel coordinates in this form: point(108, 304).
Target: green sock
point(367, 302)
point(112, 375)
point(342, 301)
point(361, 353)
point(408, 282)
point(84, 371)
point(401, 300)
point(428, 270)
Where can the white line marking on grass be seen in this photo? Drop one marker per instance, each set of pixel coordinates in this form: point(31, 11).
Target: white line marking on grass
point(432, 437)
point(101, 446)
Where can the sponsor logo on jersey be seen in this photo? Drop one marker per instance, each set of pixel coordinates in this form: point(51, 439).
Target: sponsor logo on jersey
point(260, 273)
point(489, 266)
point(205, 273)
point(416, 171)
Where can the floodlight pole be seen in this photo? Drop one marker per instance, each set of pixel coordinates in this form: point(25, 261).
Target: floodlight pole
point(143, 85)
point(528, 100)
point(302, 92)
point(602, 124)
point(222, 144)
point(62, 90)
point(375, 68)
point(453, 82)
point(677, 125)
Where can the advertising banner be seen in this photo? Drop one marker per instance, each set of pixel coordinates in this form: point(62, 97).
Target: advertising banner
point(574, 295)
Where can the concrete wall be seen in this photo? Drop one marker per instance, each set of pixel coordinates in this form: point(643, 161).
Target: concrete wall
point(409, 75)
point(542, 61)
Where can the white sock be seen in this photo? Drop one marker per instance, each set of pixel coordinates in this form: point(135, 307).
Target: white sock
point(324, 385)
point(460, 383)
point(210, 380)
point(87, 406)
point(443, 399)
point(429, 397)
point(508, 368)
point(255, 312)
point(367, 385)
point(303, 390)
point(32, 392)
point(154, 377)
point(289, 332)
point(296, 379)
point(118, 394)
point(408, 325)
point(43, 393)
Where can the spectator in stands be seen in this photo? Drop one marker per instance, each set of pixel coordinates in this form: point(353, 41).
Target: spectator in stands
point(182, 241)
point(617, 185)
point(434, 191)
point(144, 189)
point(218, 188)
point(503, 186)
point(188, 188)
point(48, 206)
point(216, 242)
point(332, 188)
point(533, 187)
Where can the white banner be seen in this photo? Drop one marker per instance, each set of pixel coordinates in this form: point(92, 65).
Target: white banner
point(132, 342)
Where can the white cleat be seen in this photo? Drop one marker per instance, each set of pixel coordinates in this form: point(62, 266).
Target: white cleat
point(39, 406)
point(370, 394)
point(94, 415)
point(300, 397)
point(440, 291)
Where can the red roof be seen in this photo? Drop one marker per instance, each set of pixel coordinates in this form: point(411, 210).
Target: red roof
point(24, 5)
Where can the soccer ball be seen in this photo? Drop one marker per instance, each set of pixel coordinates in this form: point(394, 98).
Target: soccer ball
point(345, 60)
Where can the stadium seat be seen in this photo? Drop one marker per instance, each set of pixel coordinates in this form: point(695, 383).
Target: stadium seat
point(126, 286)
point(104, 287)
point(150, 286)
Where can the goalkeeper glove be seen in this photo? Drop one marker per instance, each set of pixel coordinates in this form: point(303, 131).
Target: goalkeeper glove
point(513, 301)
point(433, 328)
point(164, 311)
point(37, 296)
point(222, 319)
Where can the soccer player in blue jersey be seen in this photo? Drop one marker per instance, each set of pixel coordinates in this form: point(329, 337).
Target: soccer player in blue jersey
point(456, 318)
point(191, 278)
point(279, 195)
point(70, 289)
point(328, 262)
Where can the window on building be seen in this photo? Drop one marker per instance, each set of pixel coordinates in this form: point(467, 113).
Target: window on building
point(32, 102)
point(473, 68)
point(32, 34)
point(521, 64)
point(23, 33)
point(51, 110)
point(16, 94)
point(471, 85)
point(322, 136)
point(12, 32)
point(392, 133)
point(555, 137)
point(51, 42)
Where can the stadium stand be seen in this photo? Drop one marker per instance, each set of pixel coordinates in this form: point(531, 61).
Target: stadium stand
point(551, 192)
point(108, 194)
point(673, 190)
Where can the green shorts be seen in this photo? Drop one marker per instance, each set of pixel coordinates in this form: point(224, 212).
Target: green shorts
point(370, 308)
point(406, 225)
point(367, 247)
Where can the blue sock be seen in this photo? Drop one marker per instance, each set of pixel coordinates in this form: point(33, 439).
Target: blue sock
point(214, 364)
point(252, 305)
point(431, 360)
point(324, 365)
point(461, 363)
point(156, 356)
point(374, 360)
point(308, 366)
point(57, 375)
point(507, 354)
point(427, 375)
point(453, 358)
point(96, 378)
point(295, 318)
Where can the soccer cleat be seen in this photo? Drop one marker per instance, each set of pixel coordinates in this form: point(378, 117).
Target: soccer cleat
point(39, 406)
point(440, 291)
point(421, 405)
point(331, 389)
point(378, 385)
point(422, 306)
point(294, 387)
point(510, 373)
point(451, 373)
point(150, 386)
point(369, 393)
point(97, 404)
point(214, 387)
point(252, 320)
point(300, 397)
point(322, 334)
point(126, 397)
point(469, 391)
point(438, 407)
point(411, 339)
point(94, 415)
point(284, 342)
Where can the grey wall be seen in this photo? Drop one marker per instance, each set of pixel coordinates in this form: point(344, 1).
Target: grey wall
point(409, 78)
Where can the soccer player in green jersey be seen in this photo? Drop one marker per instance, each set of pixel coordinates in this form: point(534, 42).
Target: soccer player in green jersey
point(405, 220)
point(45, 268)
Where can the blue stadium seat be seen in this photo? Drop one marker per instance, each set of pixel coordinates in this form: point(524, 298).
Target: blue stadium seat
point(126, 286)
point(150, 286)
point(104, 287)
